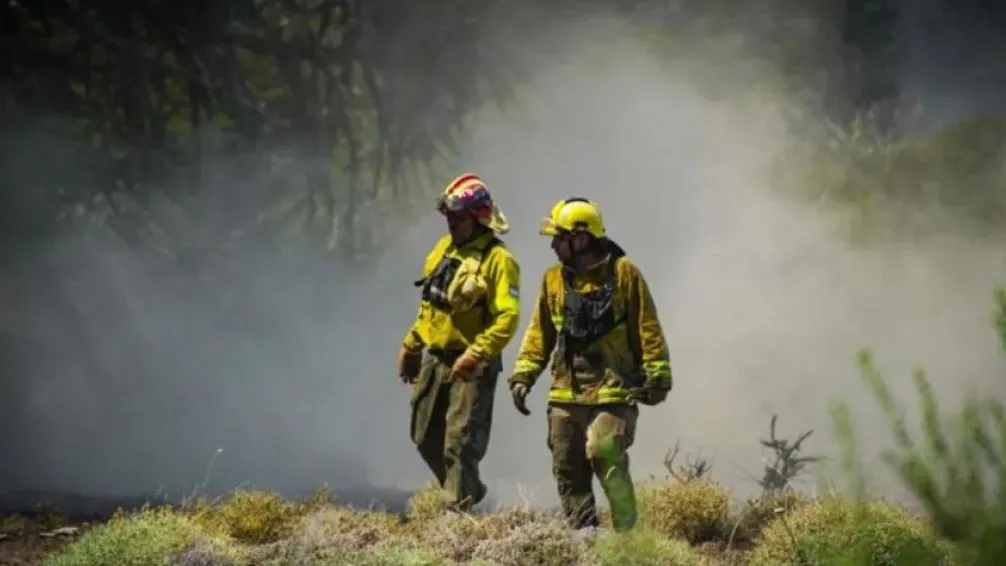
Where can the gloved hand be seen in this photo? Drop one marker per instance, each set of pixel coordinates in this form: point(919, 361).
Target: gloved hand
point(519, 393)
point(409, 362)
point(651, 393)
point(466, 368)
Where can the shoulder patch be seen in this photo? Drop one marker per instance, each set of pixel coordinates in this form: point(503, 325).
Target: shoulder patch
point(514, 292)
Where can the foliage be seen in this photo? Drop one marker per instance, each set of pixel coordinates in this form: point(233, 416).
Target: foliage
point(871, 532)
point(546, 543)
point(787, 463)
point(336, 118)
point(386, 557)
point(431, 501)
point(255, 516)
point(957, 469)
point(697, 511)
point(900, 186)
point(762, 510)
point(148, 538)
point(694, 468)
point(327, 533)
point(643, 548)
point(458, 537)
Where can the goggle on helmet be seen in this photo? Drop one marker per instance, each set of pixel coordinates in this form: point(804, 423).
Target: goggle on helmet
point(467, 194)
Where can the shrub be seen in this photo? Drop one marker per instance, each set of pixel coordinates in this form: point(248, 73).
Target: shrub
point(456, 537)
point(897, 186)
point(255, 517)
point(869, 532)
point(760, 511)
point(151, 537)
point(958, 468)
point(204, 551)
point(14, 525)
point(427, 503)
point(327, 534)
point(385, 556)
point(697, 511)
point(544, 543)
point(645, 548)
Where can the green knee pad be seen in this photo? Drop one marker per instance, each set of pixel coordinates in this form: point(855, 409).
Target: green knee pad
point(617, 486)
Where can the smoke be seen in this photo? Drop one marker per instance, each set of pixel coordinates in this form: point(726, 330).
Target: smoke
point(763, 302)
point(291, 385)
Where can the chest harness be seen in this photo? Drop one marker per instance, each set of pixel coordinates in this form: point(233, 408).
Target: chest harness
point(434, 286)
point(587, 318)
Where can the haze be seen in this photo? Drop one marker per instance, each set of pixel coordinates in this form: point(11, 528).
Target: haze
point(763, 305)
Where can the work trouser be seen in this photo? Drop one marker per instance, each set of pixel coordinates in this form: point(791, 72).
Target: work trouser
point(451, 422)
point(588, 441)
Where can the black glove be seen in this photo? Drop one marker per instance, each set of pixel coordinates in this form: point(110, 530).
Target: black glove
point(651, 393)
point(519, 391)
point(409, 363)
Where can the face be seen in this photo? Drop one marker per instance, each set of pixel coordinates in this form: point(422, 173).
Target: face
point(461, 226)
point(567, 245)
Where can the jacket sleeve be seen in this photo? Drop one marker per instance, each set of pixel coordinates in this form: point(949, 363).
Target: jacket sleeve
point(652, 346)
point(414, 337)
point(538, 343)
point(503, 281)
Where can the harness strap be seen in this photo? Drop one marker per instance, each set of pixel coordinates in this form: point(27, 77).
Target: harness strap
point(440, 267)
point(608, 286)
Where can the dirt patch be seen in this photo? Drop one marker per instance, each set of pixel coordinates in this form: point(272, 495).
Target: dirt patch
point(29, 548)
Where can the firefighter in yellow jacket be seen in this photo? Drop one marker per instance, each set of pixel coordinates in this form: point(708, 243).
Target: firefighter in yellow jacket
point(596, 322)
point(468, 313)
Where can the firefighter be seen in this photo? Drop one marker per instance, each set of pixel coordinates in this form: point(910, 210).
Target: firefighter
point(469, 311)
point(595, 321)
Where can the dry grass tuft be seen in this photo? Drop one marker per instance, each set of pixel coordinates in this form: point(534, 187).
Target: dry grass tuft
point(148, 537)
point(457, 536)
point(850, 532)
point(697, 511)
point(255, 517)
point(328, 533)
point(758, 512)
point(645, 548)
point(428, 503)
point(539, 543)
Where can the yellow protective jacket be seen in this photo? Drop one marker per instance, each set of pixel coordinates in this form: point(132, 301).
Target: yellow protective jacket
point(632, 353)
point(484, 329)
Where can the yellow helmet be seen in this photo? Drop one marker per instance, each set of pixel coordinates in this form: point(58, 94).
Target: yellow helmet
point(574, 215)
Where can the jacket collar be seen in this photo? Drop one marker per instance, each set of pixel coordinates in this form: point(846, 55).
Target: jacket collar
point(594, 271)
point(476, 243)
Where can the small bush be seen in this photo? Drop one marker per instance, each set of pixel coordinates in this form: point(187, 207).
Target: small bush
point(329, 533)
point(204, 551)
point(152, 537)
point(14, 525)
point(956, 468)
point(385, 556)
point(871, 532)
point(697, 511)
point(255, 517)
point(456, 537)
point(645, 548)
point(760, 511)
point(546, 543)
point(427, 503)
